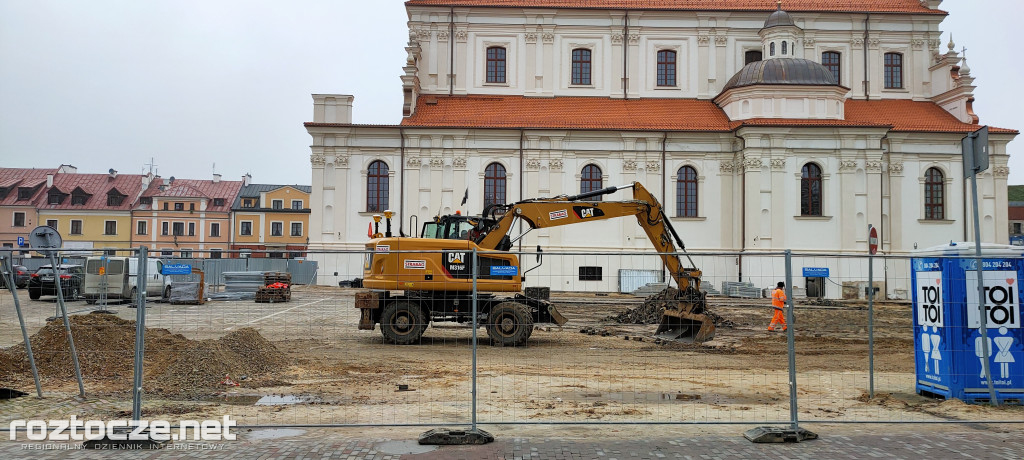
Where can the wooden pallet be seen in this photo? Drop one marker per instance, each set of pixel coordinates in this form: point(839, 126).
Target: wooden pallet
point(271, 295)
point(277, 277)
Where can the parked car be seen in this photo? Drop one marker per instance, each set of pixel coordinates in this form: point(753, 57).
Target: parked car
point(72, 277)
point(21, 277)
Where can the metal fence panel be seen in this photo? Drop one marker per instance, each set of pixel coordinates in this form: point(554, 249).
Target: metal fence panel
point(301, 358)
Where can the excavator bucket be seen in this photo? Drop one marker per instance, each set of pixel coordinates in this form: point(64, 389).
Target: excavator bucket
point(681, 323)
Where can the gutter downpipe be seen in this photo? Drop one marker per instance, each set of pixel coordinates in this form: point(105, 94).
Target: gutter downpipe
point(743, 212)
point(664, 172)
point(401, 179)
point(867, 83)
point(451, 51)
point(625, 56)
point(522, 183)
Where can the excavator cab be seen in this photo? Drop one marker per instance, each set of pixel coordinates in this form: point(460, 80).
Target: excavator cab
point(454, 227)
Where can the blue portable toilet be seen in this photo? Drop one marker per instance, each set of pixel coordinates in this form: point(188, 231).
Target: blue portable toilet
point(947, 339)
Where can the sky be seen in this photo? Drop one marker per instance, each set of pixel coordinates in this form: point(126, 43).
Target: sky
point(204, 86)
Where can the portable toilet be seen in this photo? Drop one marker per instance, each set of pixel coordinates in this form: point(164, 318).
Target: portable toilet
point(947, 337)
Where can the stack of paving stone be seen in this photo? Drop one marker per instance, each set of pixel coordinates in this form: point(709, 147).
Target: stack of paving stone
point(744, 290)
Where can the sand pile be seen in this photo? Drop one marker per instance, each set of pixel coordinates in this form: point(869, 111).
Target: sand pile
point(173, 364)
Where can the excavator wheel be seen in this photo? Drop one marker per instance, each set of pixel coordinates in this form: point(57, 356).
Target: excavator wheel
point(509, 324)
point(402, 322)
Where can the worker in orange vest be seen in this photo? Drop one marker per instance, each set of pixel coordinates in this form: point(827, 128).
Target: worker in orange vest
point(778, 303)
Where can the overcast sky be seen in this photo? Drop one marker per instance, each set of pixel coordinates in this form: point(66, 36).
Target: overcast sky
point(226, 84)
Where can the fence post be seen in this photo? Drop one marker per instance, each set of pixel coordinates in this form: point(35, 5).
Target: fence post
point(871, 325)
point(475, 309)
point(790, 339)
point(21, 319)
point(67, 324)
point(140, 333)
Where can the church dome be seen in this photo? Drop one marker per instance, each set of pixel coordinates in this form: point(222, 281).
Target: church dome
point(782, 71)
point(779, 18)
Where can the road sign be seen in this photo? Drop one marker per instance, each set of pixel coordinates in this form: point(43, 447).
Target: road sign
point(43, 237)
point(975, 152)
point(21, 241)
point(872, 240)
point(815, 272)
point(177, 269)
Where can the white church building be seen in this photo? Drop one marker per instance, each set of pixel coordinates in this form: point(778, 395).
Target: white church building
point(761, 126)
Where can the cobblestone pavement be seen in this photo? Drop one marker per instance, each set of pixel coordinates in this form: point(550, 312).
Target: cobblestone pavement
point(837, 442)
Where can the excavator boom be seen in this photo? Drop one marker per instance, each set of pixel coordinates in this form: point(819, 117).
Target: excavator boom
point(685, 319)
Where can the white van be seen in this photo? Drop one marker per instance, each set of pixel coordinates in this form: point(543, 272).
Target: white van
point(121, 277)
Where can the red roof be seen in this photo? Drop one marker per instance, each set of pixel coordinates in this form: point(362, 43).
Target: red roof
point(195, 188)
point(598, 113)
point(872, 6)
point(96, 185)
point(568, 113)
point(22, 177)
point(911, 116)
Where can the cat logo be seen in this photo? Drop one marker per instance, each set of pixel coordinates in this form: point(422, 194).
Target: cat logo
point(456, 257)
point(587, 212)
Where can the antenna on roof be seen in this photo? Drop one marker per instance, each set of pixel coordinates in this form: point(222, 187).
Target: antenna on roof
point(151, 164)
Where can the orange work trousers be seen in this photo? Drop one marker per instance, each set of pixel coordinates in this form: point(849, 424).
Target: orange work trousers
point(778, 318)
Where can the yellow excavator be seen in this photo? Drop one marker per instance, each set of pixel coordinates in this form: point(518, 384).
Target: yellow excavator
point(413, 281)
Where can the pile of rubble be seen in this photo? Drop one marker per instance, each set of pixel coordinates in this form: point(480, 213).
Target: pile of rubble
point(173, 364)
point(650, 311)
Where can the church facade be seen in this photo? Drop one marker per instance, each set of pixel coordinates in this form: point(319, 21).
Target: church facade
point(761, 126)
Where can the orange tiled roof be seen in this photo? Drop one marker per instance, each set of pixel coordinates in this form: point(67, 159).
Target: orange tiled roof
point(661, 115)
point(911, 116)
point(860, 6)
point(568, 113)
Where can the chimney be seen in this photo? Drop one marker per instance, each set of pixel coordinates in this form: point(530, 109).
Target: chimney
point(332, 108)
point(246, 179)
point(113, 173)
point(146, 180)
point(49, 180)
point(216, 178)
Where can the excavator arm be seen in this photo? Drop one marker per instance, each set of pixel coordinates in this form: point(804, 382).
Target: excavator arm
point(685, 319)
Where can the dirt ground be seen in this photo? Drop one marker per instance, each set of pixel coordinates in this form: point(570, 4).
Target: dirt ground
point(326, 371)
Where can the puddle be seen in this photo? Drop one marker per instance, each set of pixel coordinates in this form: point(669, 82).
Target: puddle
point(403, 448)
point(274, 433)
point(284, 400)
point(259, 400)
point(7, 393)
point(662, 398)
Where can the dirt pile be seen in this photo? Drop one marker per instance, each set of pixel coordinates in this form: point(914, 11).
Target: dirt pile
point(173, 364)
point(650, 311)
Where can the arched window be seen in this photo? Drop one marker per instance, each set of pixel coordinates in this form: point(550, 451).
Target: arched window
point(893, 70)
point(495, 64)
point(377, 187)
point(784, 47)
point(771, 49)
point(830, 60)
point(810, 190)
point(494, 184)
point(666, 68)
point(581, 66)
point(934, 199)
point(751, 56)
point(591, 180)
point(686, 192)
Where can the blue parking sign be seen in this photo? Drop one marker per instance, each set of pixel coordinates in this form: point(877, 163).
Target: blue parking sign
point(21, 241)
